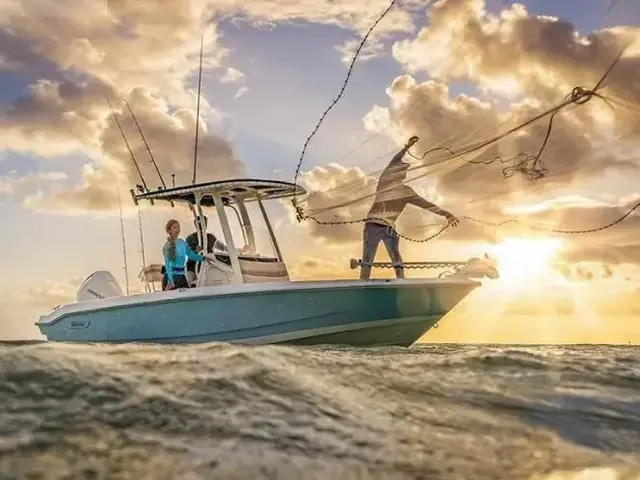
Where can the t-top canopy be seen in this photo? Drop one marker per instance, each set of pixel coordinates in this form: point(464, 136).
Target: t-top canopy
point(247, 190)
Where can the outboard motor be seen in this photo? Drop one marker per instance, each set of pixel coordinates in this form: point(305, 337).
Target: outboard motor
point(97, 286)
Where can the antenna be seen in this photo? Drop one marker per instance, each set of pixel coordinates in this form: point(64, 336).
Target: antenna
point(146, 144)
point(133, 158)
point(195, 148)
point(124, 247)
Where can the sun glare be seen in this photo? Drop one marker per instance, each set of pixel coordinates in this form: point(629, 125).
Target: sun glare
point(520, 258)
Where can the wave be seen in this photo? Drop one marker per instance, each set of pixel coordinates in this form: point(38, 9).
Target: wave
point(216, 410)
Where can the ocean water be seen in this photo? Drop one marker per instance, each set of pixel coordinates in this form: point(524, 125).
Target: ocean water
point(228, 412)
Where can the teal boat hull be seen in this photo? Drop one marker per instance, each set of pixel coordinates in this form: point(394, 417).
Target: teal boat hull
point(299, 313)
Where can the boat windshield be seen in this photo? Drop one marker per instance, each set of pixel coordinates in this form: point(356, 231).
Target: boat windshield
point(241, 237)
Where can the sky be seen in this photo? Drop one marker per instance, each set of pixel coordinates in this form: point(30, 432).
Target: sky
point(453, 72)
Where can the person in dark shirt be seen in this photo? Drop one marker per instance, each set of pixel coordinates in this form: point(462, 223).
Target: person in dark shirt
point(194, 244)
point(392, 196)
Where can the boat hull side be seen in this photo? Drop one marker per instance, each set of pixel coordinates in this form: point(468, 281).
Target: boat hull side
point(400, 332)
point(353, 316)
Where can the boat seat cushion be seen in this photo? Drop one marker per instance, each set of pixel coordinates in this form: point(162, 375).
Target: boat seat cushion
point(265, 267)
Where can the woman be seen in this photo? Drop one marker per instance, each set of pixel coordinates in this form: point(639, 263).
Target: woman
point(175, 252)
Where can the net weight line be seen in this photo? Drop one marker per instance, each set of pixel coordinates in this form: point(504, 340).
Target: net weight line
point(353, 263)
point(450, 268)
point(301, 216)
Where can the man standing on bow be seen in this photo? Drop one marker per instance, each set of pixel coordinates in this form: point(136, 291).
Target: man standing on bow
point(392, 196)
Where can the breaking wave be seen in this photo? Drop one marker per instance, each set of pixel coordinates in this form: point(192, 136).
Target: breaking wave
point(221, 411)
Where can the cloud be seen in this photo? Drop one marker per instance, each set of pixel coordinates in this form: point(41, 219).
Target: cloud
point(54, 118)
point(16, 323)
point(8, 64)
point(130, 43)
point(123, 43)
point(170, 136)
point(607, 254)
point(70, 113)
point(241, 91)
point(12, 184)
point(19, 54)
point(80, 51)
point(461, 44)
point(232, 75)
point(575, 151)
point(51, 294)
point(358, 15)
point(371, 49)
point(62, 116)
point(331, 199)
point(19, 309)
point(536, 54)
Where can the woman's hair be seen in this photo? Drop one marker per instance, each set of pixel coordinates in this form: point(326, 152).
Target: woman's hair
point(171, 243)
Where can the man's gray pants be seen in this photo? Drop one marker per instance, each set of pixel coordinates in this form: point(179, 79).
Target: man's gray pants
point(372, 235)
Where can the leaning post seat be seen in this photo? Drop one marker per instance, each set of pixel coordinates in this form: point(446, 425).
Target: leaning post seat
point(257, 269)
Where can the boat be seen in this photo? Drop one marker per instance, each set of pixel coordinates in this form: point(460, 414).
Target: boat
point(245, 295)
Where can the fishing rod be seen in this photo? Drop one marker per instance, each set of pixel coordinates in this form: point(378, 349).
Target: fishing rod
point(124, 246)
point(146, 144)
point(124, 137)
point(199, 220)
point(195, 147)
point(164, 185)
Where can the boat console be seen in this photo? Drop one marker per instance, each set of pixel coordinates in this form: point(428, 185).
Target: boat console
point(255, 269)
point(248, 265)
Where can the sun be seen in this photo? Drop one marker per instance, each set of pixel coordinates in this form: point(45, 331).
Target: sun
point(520, 259)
